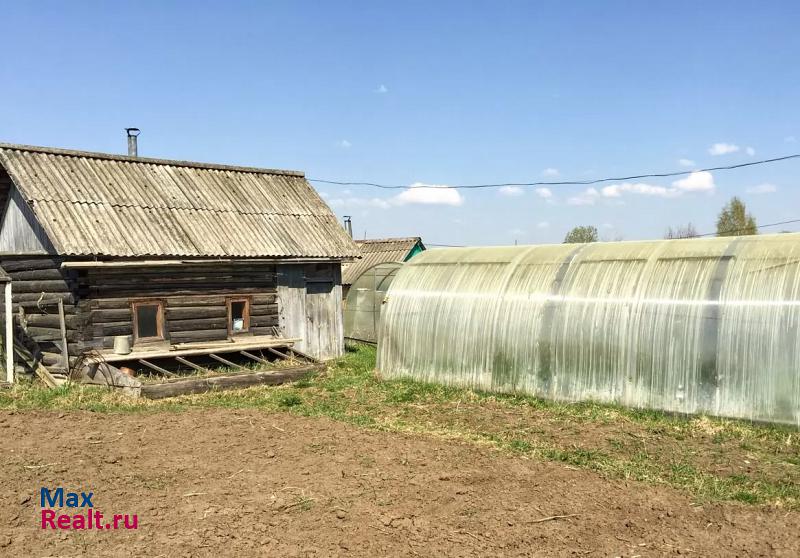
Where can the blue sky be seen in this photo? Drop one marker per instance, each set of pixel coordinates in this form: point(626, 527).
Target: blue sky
point(435, 93)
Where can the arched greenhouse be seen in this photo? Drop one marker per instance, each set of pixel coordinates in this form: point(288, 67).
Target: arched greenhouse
point(696, 325)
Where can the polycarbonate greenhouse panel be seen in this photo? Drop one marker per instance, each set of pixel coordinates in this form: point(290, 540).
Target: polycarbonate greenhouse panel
point(690, 326)
point(365, 299)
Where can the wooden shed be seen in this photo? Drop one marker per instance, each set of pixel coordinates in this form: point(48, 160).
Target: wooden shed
point(171, 254)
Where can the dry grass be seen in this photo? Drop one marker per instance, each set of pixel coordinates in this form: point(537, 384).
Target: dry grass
point(712, 459)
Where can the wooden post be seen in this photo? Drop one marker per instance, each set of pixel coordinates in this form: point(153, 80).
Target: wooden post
point(62, 323)
point(9, 335)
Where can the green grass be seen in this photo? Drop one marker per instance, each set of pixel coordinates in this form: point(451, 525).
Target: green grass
point(711, 459)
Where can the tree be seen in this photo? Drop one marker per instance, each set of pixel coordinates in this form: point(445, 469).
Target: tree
point(682, 232)
point(734, 220)
point(580, 235)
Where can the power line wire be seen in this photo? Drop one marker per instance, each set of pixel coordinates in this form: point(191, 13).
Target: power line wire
point(790, 221)
point(747, 228)
point(562, 182)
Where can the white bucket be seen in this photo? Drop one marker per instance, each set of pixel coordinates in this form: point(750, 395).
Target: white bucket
point(122, 344)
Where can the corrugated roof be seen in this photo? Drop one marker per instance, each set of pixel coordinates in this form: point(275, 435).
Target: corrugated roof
point(376, 251)
point(114, 205)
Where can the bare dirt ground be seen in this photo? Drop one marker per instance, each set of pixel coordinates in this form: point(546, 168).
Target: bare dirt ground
point(250, 483)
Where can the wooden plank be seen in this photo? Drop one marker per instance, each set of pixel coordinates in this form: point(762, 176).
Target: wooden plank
point(45, 376)
point(36, 274)
point(8, 345)
point(117, 301)
point(278, 353)
point(165, 263)
point(156, 368)
point(191, 364)
point(202, 290)
point(63, 324)
point(198, 349)
point(11, 264)
point(53, 320)
point(226, 362)
point(196, 312)
point(47, 286)
point(198, 324)
point(254, 357)
point(50, 333)
point(304, 355)
point(46, 298)
point(232, 381)
point(199, 335)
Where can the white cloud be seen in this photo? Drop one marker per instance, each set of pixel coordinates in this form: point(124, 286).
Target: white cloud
point(428, 194)
point(587, 197)
point(382, 89)
point(516, 232)
point(606, 226)
point(686, 162)
point(344, 144)
point(790, 139)
point(417, 193)
point(355, 202)
point(543, 225)
point(511, 191)
point(698, 181)
point(702, 181)
point(550, 171)
point(723, 148)
point(750, 151)
point(324, 194)
point(616, 190)
point(764, 188)
point(545, 193)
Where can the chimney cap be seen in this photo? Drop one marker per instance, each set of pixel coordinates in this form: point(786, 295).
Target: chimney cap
point(133, 132)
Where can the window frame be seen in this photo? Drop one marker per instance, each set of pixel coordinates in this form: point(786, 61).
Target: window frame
point(248, 303)
point(160, 320)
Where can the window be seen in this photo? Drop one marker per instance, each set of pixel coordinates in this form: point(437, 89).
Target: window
point(238, 315)
point(148, 320)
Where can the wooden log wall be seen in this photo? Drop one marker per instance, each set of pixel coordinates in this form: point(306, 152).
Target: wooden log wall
point(37, 284)
point(194, 295)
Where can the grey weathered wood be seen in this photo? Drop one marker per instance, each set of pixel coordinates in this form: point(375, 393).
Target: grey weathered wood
point(191, 364)
point(51, 333)
point(302, 354)
point(292, 302)
point(233, 381)
point(52, 320)
point(156, 368)
point(13, 263)
point(199, 335)
point(50, 273)
point(32, 298)
point(226, 362)
point(279, 354)
point(254, 357)
point(47, 286)
point(190, 349)
point(21, 232)
point(198, 324)
point(63, 326)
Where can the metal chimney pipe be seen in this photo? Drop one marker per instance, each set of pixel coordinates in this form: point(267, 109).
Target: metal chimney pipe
point(348, 225)
point(133, 147)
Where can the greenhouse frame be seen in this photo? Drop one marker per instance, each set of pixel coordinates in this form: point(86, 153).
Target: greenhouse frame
point(362, 308)
point(688, 326)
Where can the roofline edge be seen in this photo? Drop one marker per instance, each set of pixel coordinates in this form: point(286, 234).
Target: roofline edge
point(149, 160)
